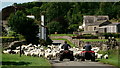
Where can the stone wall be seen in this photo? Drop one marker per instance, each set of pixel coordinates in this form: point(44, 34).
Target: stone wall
point(102, 44)
point(77, 42)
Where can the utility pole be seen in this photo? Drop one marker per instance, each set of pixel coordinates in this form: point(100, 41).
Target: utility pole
point(43, 32)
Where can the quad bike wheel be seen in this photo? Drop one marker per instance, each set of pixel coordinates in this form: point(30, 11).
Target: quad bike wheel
point(93, 59)
point(72, 58)
point(82, 59)
point(60, 59)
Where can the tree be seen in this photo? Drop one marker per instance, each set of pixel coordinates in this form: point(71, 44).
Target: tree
point(55, 27)
point(24, 26)
point(4, 31)
point(73, 27)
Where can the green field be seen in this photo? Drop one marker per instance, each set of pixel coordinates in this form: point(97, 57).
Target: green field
point(93, 40)
point(62, 35)
point(15, 61)
point(73, 45)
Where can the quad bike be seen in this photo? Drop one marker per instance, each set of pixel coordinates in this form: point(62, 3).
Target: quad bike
point(88, 55)
point(66, 54)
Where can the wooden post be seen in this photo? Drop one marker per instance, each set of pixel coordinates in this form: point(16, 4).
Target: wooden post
point(20, 51)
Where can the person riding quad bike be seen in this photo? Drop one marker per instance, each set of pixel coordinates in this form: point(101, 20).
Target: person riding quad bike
point(87, 54)
point(66, 53)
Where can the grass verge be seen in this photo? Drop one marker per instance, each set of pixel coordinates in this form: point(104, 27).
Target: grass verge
point(113, 61)
point(12, 61)
point(114, 58)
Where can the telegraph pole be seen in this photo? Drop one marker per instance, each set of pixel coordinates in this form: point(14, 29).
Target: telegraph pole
point(43, 32)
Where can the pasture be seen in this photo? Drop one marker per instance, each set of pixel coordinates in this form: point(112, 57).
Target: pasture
point(13, 60)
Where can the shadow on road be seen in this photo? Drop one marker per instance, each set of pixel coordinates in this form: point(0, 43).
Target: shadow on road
point(55, 61)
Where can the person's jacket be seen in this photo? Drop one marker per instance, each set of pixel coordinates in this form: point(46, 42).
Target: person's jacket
point(87, 47)
point(66, 46)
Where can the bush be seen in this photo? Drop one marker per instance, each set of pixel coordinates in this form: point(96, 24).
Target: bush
point(55, 27)
point(43, 42)
point(111, 35)
point(4, 40)
point(87, 36)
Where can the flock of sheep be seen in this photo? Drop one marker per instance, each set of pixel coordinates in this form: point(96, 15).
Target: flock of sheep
point(51, 52)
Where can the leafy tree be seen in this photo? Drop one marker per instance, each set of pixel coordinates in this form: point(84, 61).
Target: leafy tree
point(4, 31)
point(34, 11)
point(67, 13)
point(55, 27)
point(73, 27)
point(24, 26)
point(54, 10)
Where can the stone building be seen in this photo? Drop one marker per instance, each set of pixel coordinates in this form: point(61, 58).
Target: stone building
point(99, 24)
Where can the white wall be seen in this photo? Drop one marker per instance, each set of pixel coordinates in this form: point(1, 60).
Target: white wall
point(111, 29)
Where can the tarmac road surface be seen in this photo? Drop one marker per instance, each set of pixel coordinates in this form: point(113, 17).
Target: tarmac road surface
point(79, 64)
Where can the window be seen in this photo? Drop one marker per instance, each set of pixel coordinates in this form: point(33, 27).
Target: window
point(94, 28)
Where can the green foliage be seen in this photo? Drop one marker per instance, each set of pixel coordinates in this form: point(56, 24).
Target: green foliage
point(48, 41)
point(88, 36)
point(113, 57)
point(53, 10)
point(73, 27)
point(24, 26)
point(8, 39)
point(4, 31)
point(111, 35)
point(12, 33)
point(68, 13)
point(55, 27)
point(34, 11)
point(43, 42)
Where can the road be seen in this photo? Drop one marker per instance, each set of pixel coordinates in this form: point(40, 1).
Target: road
point(58, 41)
point(78, 64)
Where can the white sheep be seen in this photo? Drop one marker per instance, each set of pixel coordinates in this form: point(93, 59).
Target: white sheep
point(42, 53)
point(6, 51)
point(16, 51)
point(99, 56)
point(106, 56)
point(48, 55)
point(26, 53)
point(39, 45)
point(29, 45)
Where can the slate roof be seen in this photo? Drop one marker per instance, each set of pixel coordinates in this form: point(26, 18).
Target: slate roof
point(95, 20)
